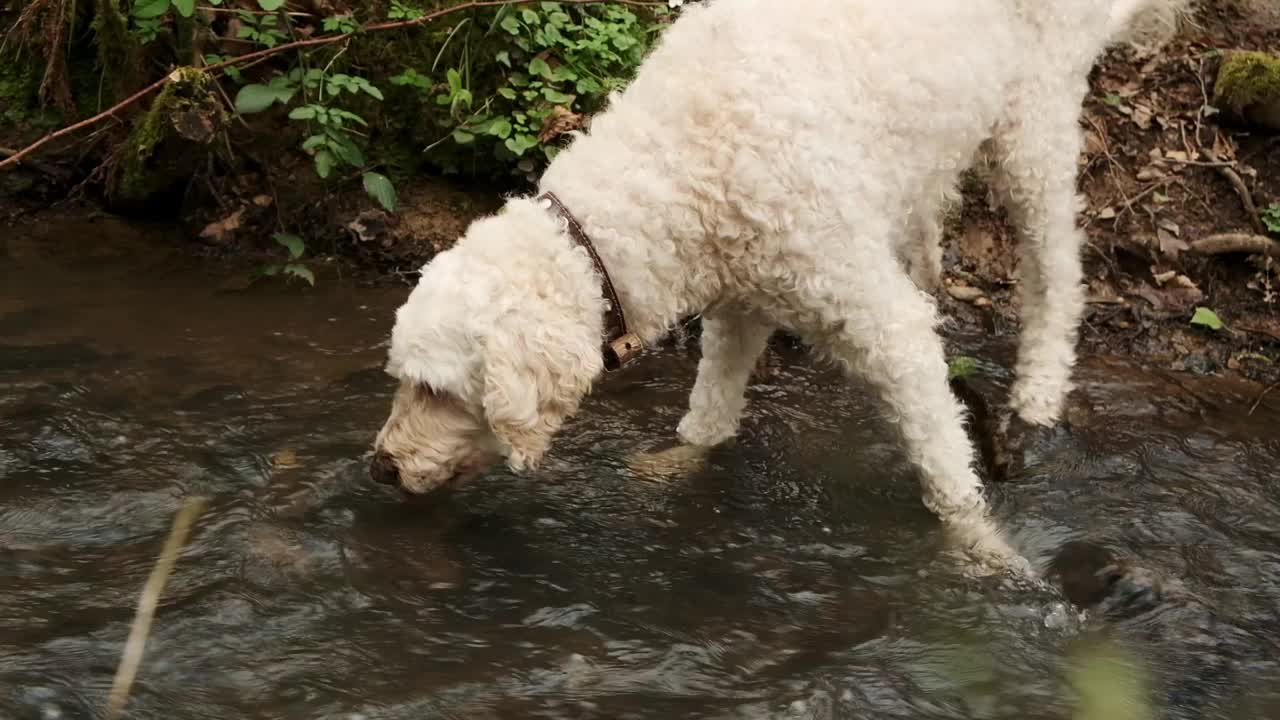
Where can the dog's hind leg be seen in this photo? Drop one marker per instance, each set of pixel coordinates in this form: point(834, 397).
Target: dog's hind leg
point(732, 340)
point(1035, 178)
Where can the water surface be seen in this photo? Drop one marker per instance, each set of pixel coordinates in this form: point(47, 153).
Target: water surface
point(795, 575)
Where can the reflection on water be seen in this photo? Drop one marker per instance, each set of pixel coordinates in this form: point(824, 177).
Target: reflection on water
point(795, 575)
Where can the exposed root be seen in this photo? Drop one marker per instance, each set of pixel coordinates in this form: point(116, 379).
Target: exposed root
point(1225, 243)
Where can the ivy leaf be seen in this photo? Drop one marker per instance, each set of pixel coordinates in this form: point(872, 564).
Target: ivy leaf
point(555, 96)
point(1207, 318)
point(292, 243)
point(504, 58)
point(186, 8)
point(500, 127)
point(538, 66)
point(271, 5)
point(462, 137)
point(299, 270)
point(380, 189)
point(507, 93)
point(256, 98)
point(146, 9)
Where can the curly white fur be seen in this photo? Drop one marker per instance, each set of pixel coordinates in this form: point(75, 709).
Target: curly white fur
point(771, 166)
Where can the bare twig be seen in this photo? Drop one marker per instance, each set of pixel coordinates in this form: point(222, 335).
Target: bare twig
point(1246, 197)
point(1225, 243)
point(35, 164)
point(311, 42)
point(1258, 401)
point(137, 641)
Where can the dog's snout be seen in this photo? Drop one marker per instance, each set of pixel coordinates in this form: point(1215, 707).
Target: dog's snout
point(383, 469)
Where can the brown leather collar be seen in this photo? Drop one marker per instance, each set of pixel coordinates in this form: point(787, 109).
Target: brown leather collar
point(620, 344)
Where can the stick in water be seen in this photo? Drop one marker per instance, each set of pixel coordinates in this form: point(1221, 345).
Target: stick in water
point(137, 641)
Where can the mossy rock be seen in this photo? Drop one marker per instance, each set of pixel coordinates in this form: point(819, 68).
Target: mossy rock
point(169, 143)
point(1248, 86)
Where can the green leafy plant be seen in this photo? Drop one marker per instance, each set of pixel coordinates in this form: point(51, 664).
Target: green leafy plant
point(332, 129)
point(1271, 218)
point(296, 248)
point(519, 80)
point(265, 30)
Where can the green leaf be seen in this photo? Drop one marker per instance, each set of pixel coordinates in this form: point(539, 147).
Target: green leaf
point(324, 163)
point(256, 98)
point(511, 24)
point(507, 93)
point(292, 243)
point(530, 17)
point(370, 90)
point(306, 112)
point(961, 366)
point(313, 142)
point(500, 127)
point(186, 8)
point(538, 66)
point(1207, 318)
point(299, 270)
point(504, 58)
point(145, 9)
point(380, 189)
point(555, 96)
point(462, 137)
point(455, 80)
point(271, 5)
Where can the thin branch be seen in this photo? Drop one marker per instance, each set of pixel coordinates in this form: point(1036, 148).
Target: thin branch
point(141, 628)
point(312, 42)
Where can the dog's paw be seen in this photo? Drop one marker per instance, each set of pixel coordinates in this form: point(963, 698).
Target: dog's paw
point(700, 431)
point(667, 464)
point(1036, 403)
point(984, 542)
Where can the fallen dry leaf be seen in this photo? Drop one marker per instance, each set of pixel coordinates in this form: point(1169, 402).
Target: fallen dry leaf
point(1169, 243)
point(1142, 117)
point(217, 231)
point(964, 293)
point(263, 200)
point(560, 121)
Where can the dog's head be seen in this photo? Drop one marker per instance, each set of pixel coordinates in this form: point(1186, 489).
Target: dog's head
point(494, 349)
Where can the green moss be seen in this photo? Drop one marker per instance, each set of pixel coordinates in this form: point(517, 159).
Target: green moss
point(117, 49)
point(140, 175)
point(19, 85)
point(1247, 79)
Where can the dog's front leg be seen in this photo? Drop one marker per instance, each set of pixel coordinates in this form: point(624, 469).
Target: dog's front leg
point(732, 341)
point(883, 330)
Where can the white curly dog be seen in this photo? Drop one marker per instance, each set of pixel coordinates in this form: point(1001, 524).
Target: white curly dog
point(774, 164)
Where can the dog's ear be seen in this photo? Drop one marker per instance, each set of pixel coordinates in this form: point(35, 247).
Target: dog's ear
point(534, 379)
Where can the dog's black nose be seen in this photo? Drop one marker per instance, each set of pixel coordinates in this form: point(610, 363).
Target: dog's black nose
point(383, 469)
